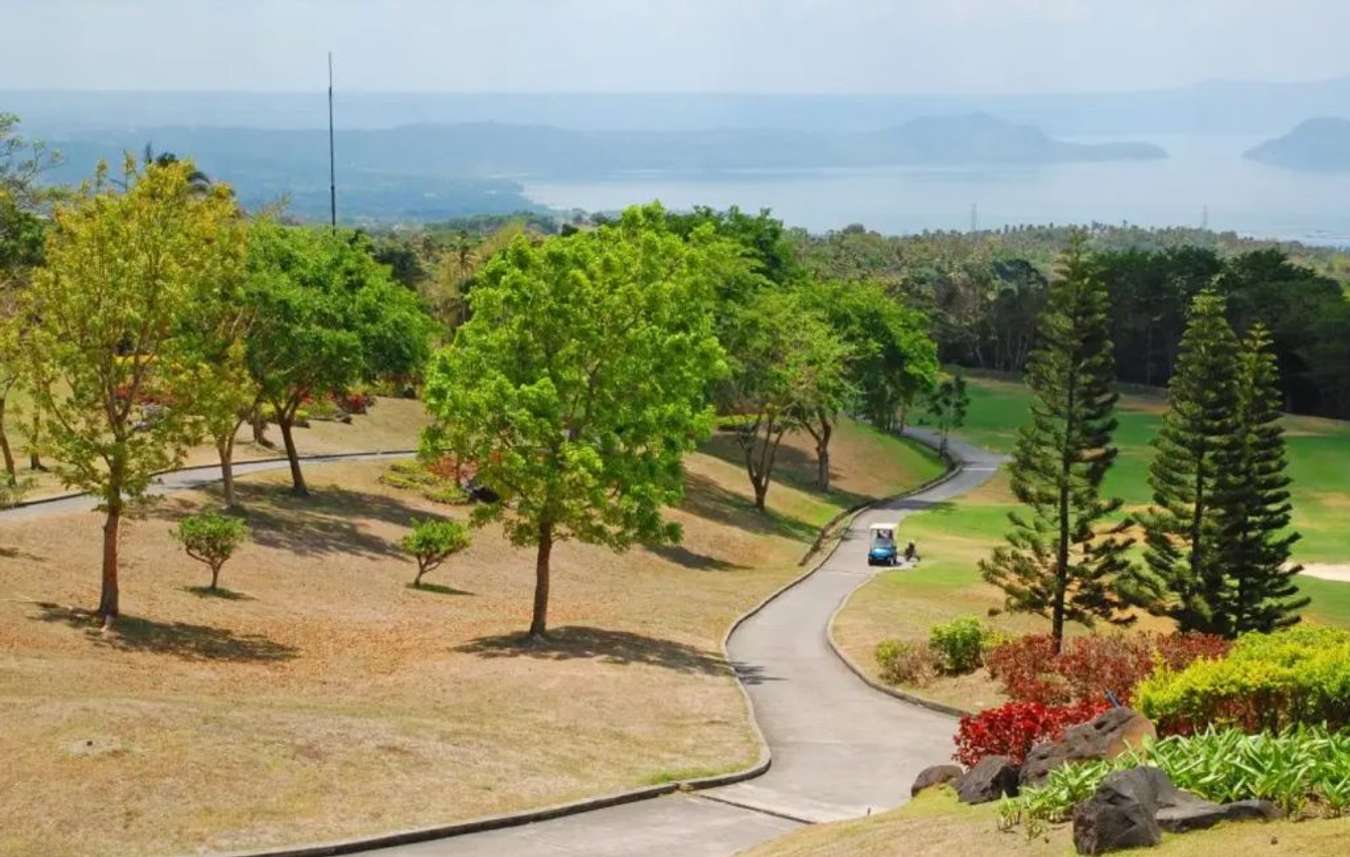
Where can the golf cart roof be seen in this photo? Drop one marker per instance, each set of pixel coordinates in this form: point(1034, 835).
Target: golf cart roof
point(894, 526)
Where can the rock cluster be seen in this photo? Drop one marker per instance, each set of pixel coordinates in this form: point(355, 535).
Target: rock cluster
point(1130, 809)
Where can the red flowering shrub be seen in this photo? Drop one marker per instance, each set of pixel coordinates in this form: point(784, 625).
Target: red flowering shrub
point(1025, 669)
point(354, 401)
point(1014, 728)
point(1088, 668)
point(1179, 651)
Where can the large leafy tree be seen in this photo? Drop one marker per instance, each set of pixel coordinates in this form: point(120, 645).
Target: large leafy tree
point(324, 315)
point(1063, 556)
point(578, 384)
point(789, 371)
point(1255, 541)
point(122, 271)
point(892, 357)
point(22, 235)
point(1185, 577)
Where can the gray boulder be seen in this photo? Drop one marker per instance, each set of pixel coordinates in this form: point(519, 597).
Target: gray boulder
point(1120, 814)
point(936, 775)
point(991, 779)
point(1104, 737)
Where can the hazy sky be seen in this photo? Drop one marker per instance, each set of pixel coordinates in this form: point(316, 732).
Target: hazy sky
point(900, 46)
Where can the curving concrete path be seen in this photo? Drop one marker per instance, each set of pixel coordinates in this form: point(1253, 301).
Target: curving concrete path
point(185, 479)
point(840, 748)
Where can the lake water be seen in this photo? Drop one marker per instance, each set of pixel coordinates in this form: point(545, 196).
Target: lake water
point(1202, 173)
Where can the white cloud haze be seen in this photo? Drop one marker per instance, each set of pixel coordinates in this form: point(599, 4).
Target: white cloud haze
point(854, 46)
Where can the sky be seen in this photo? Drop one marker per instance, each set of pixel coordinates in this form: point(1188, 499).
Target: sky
point(826, 46)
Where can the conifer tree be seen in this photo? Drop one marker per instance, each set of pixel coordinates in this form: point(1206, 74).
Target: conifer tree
point(1184, 576)
point(1063, 557)
point(1255, 544)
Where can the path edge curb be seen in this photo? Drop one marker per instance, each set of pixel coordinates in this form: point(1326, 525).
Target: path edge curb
point(520, 819)
point(954, 469)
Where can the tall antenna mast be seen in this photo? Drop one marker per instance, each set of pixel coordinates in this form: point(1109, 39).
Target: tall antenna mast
point(332, 168)
point(974, 217)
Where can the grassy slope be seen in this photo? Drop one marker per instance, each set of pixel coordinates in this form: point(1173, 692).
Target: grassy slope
point(954, 537)
point(326, 699)
point(935, 824)
point(390, 424)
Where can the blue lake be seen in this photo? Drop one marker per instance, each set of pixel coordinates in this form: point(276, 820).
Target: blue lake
point(1204, 179)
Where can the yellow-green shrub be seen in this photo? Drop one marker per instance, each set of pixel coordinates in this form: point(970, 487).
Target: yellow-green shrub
point(1266, 682)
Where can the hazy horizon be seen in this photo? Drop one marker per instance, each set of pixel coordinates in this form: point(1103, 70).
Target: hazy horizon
point(845, 47)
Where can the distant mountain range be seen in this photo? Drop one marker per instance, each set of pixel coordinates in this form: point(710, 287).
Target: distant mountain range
point(434, 171)
point(1230, 107)
point(1316, 144)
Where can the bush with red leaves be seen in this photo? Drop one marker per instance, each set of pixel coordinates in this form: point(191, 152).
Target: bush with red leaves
point(1088, 668)
point(354, 401)
point(1014, 728)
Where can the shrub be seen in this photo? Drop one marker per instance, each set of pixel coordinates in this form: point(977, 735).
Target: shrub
point(1305, 770)
point(1267, 682)
point(432, 542)
point(1014, 728)
point(1089, 667)
point(211, 539)
point(905, 662)
point(354, 401)
point(429, 479)
point(958, 644)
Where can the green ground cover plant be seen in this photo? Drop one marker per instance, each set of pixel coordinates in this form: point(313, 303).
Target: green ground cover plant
point(1305, 771)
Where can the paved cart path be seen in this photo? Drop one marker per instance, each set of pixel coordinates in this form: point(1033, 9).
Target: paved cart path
point(840, 748)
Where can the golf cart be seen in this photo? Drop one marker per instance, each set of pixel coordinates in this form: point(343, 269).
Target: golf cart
point(882, 549)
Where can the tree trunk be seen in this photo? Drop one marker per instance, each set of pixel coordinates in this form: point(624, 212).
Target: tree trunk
point(225, 448)
point(10, 469)
point(215, 576)
point(539, 624)
point(34, 460)
point(297, 478)
point(823, 453)
point(761, 492)
point(259, 426)
point(108, 608)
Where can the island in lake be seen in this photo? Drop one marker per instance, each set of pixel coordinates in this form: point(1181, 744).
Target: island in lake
point(1316, 144)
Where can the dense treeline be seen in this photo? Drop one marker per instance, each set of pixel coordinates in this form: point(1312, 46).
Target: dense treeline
point(985, 290)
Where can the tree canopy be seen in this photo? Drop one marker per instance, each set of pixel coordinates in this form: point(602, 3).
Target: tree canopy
point(325, 315)
point(579, 383)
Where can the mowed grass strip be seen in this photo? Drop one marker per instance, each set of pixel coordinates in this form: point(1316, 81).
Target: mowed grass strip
point(935, 825)
point(954, 537)
point(321, 697)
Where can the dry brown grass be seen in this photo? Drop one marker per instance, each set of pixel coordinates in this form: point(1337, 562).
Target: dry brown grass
point(324, 698)
point(935, 825)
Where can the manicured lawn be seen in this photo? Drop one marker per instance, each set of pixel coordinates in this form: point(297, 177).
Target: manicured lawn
point(324, 698)
point(935, 824)
point(954, 537)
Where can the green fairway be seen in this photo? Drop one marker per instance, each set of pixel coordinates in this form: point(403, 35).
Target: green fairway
point(1319, 464)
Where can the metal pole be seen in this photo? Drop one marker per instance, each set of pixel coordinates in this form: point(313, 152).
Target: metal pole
point(332, 168)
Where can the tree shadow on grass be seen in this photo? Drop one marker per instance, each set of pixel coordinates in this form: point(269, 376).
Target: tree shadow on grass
point(219, 592)
point(324, 523)
point(793, 467)
point(15, 553)
point(610, 647)
point(707, 499)
point(439, 589)
point(681, 555)
point(180, 639)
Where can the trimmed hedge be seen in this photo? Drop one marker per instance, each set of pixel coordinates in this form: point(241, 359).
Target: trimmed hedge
point(1268, 682)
